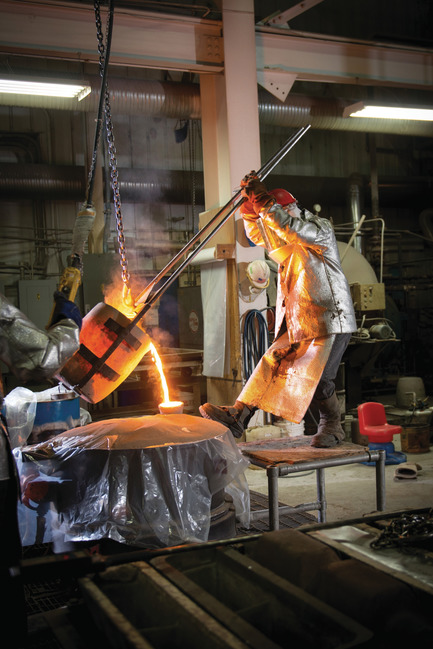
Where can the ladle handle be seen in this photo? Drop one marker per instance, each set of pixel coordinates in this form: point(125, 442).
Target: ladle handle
point(262, 173)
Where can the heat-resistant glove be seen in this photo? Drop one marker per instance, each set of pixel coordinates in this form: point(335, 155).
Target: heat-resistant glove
point(247, 209)
point(64, 308)
point(256, 193)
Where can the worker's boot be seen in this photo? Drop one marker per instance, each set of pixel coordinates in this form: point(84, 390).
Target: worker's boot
point(234, 417)
point(329, 431)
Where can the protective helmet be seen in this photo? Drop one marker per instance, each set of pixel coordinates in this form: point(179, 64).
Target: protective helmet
point(258, 273)
point(283, 197)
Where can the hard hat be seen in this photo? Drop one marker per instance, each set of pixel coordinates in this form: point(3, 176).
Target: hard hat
point(283, 197)
point(258, 273)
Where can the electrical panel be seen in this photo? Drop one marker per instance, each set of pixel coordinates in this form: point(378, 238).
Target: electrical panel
point(368, 297)
point(36, 299)
point(190, 317)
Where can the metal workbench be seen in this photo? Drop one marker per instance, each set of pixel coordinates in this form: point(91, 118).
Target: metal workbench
point(265, 455)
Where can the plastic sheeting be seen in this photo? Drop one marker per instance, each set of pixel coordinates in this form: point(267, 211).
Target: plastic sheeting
point(214, 298)
point(30, 414)
point(145, 481)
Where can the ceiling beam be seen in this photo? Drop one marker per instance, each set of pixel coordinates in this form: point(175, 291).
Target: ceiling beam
point(283, 17)
point(168, 42)
point(140, 39)
point(327, 59)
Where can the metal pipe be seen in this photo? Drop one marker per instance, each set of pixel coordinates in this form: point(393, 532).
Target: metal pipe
point(379, 457)
point(273, 498)
point(280, 470)
point(382, 238)
point(320, 481)
point(355, 232)
point(355, 204)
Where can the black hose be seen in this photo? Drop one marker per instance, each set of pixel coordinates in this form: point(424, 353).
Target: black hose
point(255, 340)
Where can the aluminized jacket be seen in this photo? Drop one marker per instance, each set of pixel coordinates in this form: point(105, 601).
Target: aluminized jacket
point(32, 353)
point(313, 292)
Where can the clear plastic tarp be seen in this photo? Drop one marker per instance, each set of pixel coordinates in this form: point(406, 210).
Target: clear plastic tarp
point(145, 481)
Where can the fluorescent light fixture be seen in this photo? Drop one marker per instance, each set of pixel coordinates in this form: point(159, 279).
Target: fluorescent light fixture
point(44, 88)
point(361, 109)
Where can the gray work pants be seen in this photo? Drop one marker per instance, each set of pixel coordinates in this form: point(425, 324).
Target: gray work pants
point(326, 386)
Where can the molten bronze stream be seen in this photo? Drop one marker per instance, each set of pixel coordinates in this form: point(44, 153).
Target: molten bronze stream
point(112, 344)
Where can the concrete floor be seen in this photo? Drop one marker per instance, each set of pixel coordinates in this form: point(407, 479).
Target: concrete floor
point(351, 489)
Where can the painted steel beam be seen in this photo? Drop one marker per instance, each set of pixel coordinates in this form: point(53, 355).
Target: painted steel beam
point(323, 58)
point(142, 39)
point(284, 17)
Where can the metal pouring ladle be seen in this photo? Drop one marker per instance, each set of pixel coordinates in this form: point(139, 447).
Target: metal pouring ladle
point(79, 372)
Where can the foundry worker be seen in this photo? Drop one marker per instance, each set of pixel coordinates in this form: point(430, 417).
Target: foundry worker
point(30, 354)
point(314, 317)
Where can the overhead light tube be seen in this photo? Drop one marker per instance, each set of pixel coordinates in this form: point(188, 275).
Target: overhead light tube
point(44, 88)
point(361, 109)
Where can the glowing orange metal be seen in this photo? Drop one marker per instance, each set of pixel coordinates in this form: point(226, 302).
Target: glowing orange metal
point(167, 406)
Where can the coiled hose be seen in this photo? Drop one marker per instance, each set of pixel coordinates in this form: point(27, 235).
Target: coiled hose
point(255, 340)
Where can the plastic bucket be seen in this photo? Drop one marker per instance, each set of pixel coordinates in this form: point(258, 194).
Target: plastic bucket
point(289, 428)
point(415, 439)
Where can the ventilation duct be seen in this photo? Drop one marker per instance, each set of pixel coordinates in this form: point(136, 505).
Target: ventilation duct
point(50, 182)
point(182, 101)
point(41, 181)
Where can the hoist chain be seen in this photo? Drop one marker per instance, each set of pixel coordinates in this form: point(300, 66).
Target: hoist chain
point(113, 159)
point(410, 532)
point(91, 176)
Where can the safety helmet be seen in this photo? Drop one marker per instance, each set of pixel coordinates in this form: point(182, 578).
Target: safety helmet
point(258, 273)
point(283, 197)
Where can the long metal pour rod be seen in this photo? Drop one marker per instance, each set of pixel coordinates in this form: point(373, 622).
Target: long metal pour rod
point(262, 173)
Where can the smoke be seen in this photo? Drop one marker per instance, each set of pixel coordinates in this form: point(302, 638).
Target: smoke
point(114, 295)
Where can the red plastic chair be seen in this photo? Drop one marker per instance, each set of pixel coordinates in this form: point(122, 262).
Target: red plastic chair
point(373, 424)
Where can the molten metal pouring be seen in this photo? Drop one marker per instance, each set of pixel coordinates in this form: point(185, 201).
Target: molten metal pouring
point(111, 344)
point(167, 407)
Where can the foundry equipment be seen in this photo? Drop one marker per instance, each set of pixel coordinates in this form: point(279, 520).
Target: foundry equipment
point(113, 344)
point(149, 481)
point(363, 583)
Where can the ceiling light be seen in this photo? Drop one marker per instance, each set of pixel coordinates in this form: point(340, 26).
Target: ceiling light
point(44, 88)
point(361, 109)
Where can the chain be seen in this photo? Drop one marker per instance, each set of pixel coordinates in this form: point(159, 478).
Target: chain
point(406, 532)
point(101, 50)
point(113, 162)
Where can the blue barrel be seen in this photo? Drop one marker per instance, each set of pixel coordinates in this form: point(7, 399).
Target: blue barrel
point(54, 416)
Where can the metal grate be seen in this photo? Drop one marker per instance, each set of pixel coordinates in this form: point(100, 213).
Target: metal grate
point(259, 501)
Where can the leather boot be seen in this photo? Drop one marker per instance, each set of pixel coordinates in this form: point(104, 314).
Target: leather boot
point(234, 417)
point(329, 431)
